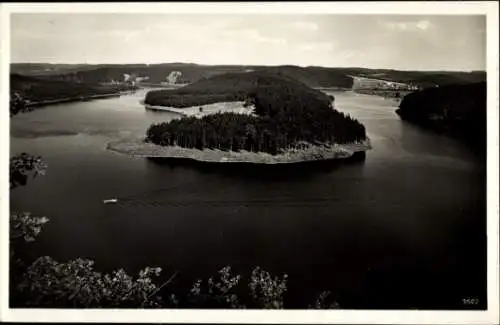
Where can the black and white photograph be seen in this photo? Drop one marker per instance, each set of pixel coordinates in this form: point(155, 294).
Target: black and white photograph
point(230, 157)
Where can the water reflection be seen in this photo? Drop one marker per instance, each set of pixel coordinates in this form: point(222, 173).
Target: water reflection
point(260, 171)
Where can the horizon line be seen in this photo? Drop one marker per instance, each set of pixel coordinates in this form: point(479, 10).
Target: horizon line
point(254, 65)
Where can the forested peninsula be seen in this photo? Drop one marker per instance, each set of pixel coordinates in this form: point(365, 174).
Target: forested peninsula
point(456, 110)
point(291, 122)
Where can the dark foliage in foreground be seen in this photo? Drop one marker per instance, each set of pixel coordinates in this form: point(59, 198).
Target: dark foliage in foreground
point(286, 113)
point(22, 165)
point(458, 110)
point(46, 283)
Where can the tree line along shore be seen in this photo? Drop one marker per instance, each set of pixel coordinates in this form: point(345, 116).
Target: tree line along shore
point(39, 91)
point(456, 110)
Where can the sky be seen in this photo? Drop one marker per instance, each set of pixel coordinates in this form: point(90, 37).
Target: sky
point(446, 42)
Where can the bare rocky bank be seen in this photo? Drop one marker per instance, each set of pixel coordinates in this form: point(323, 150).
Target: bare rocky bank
point(139, 148)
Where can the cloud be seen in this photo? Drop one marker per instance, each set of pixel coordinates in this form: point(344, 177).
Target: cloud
point(395, 41)
point(408, 25)
point(303, 25)
point(424, 24)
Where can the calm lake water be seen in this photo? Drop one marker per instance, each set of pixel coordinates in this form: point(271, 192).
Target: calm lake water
point(403, 228)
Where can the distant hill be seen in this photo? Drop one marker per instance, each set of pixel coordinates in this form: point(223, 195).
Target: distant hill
point(313, 76)
point(47, 69)
point(458, 110)
point(39, 89)
point(105, 73)
point(426, 79)
point(233, 86)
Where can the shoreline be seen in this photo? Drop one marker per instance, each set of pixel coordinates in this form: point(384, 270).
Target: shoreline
point(220, 107)
point(160, 85)
point(475, 141)
point(139, 148)
point(338, 89)
point(387, 94)
point(72, 99)
point(180, 111)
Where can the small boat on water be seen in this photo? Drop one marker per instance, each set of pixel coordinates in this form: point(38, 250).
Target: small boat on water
point(110, 201)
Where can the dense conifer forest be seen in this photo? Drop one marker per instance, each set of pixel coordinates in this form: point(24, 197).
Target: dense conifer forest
point(287, 113)
point(458, 110)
